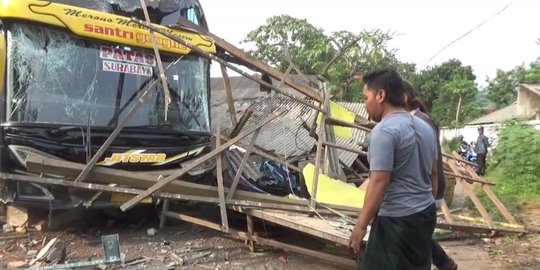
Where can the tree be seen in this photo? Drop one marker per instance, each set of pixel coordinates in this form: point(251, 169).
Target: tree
point(456, 102)
point(502, 88)
point(284, 40)
point(430, 81)
point(335, 59)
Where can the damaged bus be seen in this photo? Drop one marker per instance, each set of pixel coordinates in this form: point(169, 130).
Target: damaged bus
point(71, 70)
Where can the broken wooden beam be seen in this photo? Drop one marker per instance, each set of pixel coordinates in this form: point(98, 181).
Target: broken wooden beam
point(345, 148)
point(232, 67)
point(221, 189)
point(292, 205)
point(266, 155)
point(107, 176)
point(228, 94)
point(242, 122)
point(129, 204)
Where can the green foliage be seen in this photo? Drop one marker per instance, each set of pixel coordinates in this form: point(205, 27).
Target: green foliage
point(514, 166)
point(284, 39)
point(448, 146)
point(502, 88)
point(334, 58)
point(441, 87)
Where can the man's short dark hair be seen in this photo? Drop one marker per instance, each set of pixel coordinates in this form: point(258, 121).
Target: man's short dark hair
point(389, 80)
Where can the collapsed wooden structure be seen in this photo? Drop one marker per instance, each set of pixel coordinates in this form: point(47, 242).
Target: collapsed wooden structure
point(332, 223)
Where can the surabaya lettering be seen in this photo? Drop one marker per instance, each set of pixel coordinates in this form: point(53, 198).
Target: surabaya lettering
point(127, 68)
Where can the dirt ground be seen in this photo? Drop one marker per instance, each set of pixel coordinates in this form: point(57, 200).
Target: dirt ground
point(199, 248)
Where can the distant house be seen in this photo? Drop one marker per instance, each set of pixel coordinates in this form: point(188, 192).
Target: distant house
point(526, 108)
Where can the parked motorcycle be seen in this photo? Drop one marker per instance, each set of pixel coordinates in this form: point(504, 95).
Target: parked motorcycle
point(466, 151)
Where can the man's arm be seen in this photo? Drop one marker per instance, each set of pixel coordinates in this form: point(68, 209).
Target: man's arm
point(376, 189)
point(378, 184)
point(434, 176)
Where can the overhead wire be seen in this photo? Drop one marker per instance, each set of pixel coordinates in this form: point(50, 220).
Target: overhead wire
point(466, 34)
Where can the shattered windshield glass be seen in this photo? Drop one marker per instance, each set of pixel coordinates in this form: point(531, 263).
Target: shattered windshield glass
point(55, 77)
point(165, 12)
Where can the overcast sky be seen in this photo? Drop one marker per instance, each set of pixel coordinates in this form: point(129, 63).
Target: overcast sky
point(423, 26)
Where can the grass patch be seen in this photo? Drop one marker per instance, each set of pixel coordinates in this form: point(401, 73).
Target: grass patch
point(515, 168)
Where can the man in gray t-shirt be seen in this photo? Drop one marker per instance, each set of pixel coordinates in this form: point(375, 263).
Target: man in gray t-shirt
point(399, 196)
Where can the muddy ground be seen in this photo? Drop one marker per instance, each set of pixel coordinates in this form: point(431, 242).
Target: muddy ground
point(186, 246)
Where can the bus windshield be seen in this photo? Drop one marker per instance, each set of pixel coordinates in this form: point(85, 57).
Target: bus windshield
point(56, 77)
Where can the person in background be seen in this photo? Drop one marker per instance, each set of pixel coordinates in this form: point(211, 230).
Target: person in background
point(441, 260)
point(400, 195)
point(481, 149)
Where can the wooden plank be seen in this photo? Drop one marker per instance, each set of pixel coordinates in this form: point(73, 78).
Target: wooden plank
point(310, 225)
point(349, 263)
point(446, 212)
point(320, 141)
point(228, 94)
point(245, 159)
point(250, 231)
point(143, 181)
point(163, 218)
point(476, 228)
point(128, 205)
point(345, 148)
point(502, 209)
point(255, 63)
point(263, 241)
point(254, 78)
point(477, 220)
point(337, 122)
point(459, 158)
point(221, 190)
point(289, 205)
point(242, 122)
point(263, 154)
point(469, 178)
point(470, 192)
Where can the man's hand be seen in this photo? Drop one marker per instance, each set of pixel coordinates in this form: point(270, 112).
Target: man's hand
point(355, 242)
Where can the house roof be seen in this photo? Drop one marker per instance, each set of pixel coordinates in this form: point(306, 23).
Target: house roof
point(535, 88)
point(284, 135)
point(506, 113)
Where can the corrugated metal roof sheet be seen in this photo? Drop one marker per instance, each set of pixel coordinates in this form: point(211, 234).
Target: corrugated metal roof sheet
point(284, 135)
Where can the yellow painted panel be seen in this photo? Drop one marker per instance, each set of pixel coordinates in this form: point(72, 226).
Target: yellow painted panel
point(99, 25)
point(333, 191)
point(341, 113)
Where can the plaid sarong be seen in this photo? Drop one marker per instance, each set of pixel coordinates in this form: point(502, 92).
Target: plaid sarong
point(400, 242)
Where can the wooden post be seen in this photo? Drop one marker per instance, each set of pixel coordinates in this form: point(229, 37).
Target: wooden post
point(166, 93)
point(219, 172)
point(446, 213)
point(162, 217)
point(232, 188)
point(228, 94)
point(126, 206)
point(250, 234)
point(320, 141)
